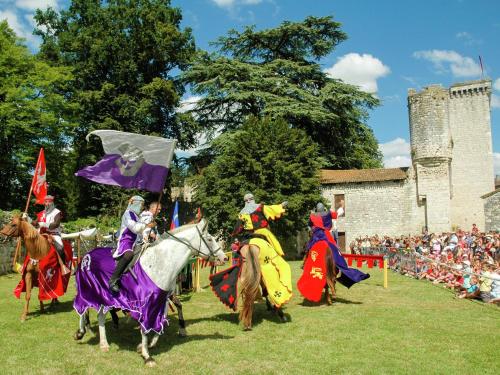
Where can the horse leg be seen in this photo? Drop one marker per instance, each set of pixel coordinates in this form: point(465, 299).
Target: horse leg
point(249, 283)
point(265, 294)
point(103, 341)
point(148, 360)
point(84, 321)
point(154, 341)
point(182, 323)
point(28, 281)
point(114, 318)
point(281, 315)
point(42, 307)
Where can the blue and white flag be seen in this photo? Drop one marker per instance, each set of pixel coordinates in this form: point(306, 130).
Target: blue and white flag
point(175, 217)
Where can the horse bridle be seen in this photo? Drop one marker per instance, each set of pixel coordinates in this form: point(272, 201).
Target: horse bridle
point(197, 251)
point(11, 233)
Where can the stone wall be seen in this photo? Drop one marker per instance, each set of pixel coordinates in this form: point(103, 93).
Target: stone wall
point(433, 191)
point(472, 159)
point(429, 123)
point(373, 208)
point(492, 211)
point(431, 151)
point(7, 250)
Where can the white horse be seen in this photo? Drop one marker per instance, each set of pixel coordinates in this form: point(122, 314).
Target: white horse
point(162, 263)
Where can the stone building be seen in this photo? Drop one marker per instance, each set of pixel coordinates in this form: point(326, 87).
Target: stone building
point(451, 171)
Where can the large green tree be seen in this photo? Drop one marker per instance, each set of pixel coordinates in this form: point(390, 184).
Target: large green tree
point(125, 55)
point(34, 113)
point(271, 160)
point(276, 73)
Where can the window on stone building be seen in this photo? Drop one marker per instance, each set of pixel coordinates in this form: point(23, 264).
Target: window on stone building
point(339, 204)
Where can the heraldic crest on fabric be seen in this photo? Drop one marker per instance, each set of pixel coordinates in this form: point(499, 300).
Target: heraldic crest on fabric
point(51, 282)
point(144, 300)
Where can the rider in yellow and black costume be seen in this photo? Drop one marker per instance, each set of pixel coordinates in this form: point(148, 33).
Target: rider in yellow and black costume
point(253, 228)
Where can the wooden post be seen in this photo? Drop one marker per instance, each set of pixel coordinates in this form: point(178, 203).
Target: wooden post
point(78, 257)
point(385, 273)
point(197, 275)
point(18, 245)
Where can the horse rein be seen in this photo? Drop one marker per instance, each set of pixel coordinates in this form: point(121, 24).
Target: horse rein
point(197, 251)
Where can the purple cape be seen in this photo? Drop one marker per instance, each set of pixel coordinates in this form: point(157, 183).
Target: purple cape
point(349, 276)
point(144, 300)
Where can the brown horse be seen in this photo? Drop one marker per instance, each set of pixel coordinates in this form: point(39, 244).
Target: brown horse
point(37, 246)
point(251, 286)
point(331, 278)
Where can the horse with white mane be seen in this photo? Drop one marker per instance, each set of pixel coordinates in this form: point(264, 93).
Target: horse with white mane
point(145, 290)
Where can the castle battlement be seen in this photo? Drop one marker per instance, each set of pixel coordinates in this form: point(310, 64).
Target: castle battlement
point(481, 87)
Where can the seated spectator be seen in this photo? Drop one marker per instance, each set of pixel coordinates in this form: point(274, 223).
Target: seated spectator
point(473, 291)
point(495, 286)
point(485, 282)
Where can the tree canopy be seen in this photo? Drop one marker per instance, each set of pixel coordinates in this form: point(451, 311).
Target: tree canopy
point(124, 55)
point(34, 113)
point(269, 159)
point(276, 73)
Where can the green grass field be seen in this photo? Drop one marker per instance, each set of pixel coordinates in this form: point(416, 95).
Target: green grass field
point(411, 327)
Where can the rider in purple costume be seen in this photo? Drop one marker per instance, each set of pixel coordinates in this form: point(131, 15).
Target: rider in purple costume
point(130, 231)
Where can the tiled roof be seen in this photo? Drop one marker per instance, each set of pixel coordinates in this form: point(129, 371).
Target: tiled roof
point(491, 193)
point(328, 176)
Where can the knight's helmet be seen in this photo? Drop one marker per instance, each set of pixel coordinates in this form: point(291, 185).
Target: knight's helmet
point(320, 208)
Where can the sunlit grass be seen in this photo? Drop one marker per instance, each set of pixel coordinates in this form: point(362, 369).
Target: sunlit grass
point(411, 327)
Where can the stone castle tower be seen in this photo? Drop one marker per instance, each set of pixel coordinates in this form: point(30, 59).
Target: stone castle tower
point(451, 150)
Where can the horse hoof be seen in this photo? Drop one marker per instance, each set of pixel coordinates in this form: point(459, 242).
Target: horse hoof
point(246, 329)
point(23, 319)
point(78, 335)
point(182, 332)
point(150, 362)
point(139, 348)
point(104, 348)
point(283, 319)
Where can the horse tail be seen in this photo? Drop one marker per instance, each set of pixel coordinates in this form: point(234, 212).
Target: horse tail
point(249, 284)
point(330, 274)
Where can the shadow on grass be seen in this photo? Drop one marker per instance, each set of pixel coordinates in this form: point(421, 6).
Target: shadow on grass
point(307, 303)
point(260, 314)
point(49, 309)
point(128, 336)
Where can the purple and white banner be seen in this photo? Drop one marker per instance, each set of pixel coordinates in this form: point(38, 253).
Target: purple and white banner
point(132, 161)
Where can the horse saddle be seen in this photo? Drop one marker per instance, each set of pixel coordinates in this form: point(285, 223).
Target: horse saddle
point(139, 249)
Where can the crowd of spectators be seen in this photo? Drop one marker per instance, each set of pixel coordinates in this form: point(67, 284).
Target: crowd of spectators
point(467, 262)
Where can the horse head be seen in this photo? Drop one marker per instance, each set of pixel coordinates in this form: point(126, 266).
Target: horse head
point(209, 247)
point(12, 229)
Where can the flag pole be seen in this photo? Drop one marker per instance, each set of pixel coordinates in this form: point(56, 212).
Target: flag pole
point(18, 244)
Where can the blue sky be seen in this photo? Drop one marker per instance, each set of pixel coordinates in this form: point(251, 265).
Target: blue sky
point(393, 45)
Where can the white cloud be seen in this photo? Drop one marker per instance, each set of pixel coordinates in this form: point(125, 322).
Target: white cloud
point(496, 84)
point(189, 103)
point(495, 101)
point(496, 163)
point(21, 29)
point(468, 38)
point(443, 61)
point(230, 3)
point(396, 153)
point(35, 4)
point(360, 70)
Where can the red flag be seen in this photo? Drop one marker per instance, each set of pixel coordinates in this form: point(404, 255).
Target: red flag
point(39, 183)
